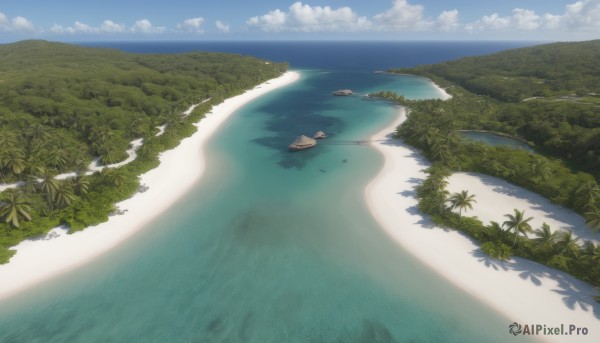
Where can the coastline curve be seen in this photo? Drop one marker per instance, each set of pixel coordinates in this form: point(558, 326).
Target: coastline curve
point(519, 289)
point(37, 261)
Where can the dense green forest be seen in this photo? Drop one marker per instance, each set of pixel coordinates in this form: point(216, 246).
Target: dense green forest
point(547, 94)
point(562, 122)
point(61, 106)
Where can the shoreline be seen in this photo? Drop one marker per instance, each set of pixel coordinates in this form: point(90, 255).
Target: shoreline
point(59, 252)
point(521, 290)
point(442, 92)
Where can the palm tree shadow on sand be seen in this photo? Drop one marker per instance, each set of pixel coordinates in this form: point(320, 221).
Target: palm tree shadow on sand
point(573, 297)
point(571, 289)
point(489, 261)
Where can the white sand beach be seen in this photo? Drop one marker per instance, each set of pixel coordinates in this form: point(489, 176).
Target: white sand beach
point(521, 290)
point(442, 92)
point(496, 197)
point(179, 169)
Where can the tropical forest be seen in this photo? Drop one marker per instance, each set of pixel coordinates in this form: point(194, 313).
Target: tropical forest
point(547, 96)
point(65, 108)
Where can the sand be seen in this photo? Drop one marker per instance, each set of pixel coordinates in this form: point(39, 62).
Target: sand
point(521, 290)
point(179, 169)
point(496, 197)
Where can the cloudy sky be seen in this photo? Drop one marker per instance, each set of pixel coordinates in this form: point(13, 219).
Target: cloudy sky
point(93, 20)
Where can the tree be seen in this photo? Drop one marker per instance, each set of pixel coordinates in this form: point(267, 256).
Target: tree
point(462, 201)
point(63, 195)
point(497, 232)
point(540, 169)
point(57, 158)
point(14, 207)
point(80, 184)
point(592, 218)
point(545, 237)
point(568, 243)
point(37, 131)
point(48, 186)
point(587, 194)
point(139, 127)
point(518, 224)
point(14, 161)
point(112, 178)
point(8, 140)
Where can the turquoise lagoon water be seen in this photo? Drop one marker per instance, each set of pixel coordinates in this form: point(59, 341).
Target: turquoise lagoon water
point(495, 140)
point(271, 246)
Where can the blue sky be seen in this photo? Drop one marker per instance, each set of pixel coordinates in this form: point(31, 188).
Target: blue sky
point(70, 20)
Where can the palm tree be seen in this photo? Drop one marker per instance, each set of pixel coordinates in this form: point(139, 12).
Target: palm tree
point(546, 238)
point(48, 186)
point(568, 243)
point(64, 196)
point(587, 194)
point(57, 158)
point(497, 231)
point(113, 178)
point(440, 150)
point(37, 131)
point(14, 161)
point(8, 140)
point(540, 169)
point(14, 207)
point(426, 134)
point(591, 252)
point(462, 201)
point(139, 127)
point(592, 218)
point(517, 223)
point(80, 184)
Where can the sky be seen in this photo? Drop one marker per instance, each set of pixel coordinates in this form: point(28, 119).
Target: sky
point(113, 20)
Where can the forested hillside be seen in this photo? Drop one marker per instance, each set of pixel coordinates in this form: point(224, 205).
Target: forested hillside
point(62, 106)
point(514, 75)
point(562, 122)
point(547, 94)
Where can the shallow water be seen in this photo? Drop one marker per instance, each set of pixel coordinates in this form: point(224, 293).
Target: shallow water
point(271, 246)
point(495, 140)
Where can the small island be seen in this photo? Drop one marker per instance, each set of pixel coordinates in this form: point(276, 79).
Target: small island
point(343, 92)
point(302, 142)
point(319, 135)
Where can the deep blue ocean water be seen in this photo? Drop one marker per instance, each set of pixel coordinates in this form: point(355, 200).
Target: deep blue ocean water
point(272, 246)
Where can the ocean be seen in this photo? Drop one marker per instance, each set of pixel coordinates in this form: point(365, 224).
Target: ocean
point(272, 246)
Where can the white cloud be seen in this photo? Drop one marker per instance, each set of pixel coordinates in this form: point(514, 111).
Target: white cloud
point(111, 27)
point(22, 24)
point(107, 26)
point(551, 21)
point(272, 21)
point(489, 22)
point(525, 19)
point(306, 18)
point(83, 28)
point(145, 26)
point(16, 24)
point(221, 26)
point(583, 14)
point(402, 17)
point(77, 28)
point(448, 21)
point(191, 25)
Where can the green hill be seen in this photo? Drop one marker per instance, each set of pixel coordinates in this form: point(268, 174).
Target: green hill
point(514, 75)
point(62, 105)
point(547, 94)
